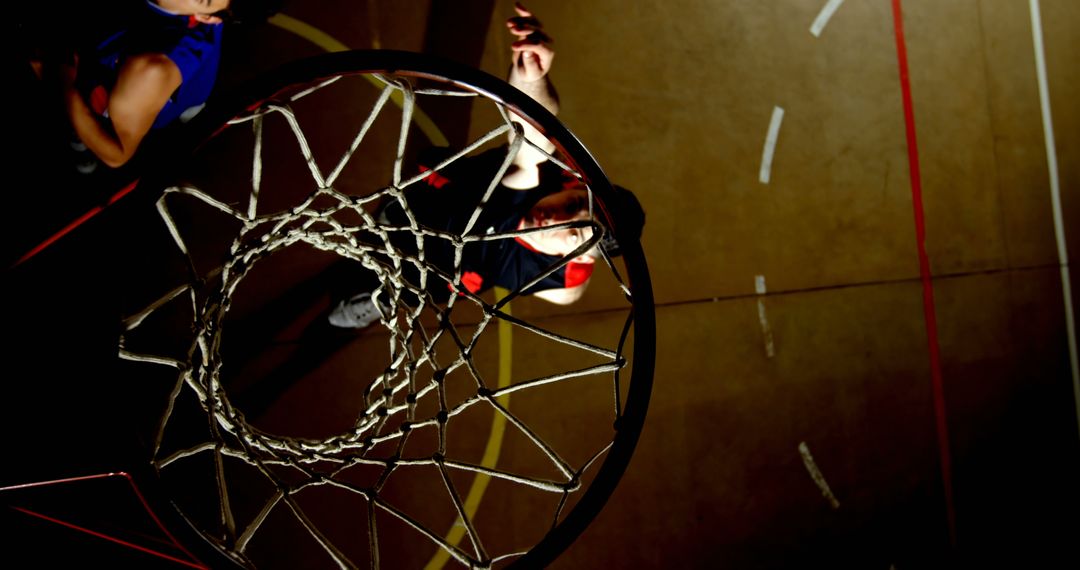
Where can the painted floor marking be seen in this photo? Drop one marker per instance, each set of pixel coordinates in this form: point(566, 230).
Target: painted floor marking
point(770, 145)
point(1055, 196)
point(823, 17)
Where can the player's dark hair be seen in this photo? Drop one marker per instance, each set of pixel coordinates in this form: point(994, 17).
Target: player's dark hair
point(250, 11)
point(628, 214)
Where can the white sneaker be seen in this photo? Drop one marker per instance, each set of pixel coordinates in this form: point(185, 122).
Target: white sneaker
point(355, 312)
point(86, 164)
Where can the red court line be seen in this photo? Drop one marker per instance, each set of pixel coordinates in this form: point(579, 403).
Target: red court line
point(924, 272)
point(142, 500)
point(74, 224)
point(107, 537)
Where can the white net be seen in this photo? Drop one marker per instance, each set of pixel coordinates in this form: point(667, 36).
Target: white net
point(402, 482)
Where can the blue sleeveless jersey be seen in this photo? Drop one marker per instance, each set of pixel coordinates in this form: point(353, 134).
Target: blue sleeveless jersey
point(195, 48)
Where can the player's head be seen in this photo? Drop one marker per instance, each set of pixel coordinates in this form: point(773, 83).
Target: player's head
point(567, 205)
point(205, 11)
point(215, 11)
point(625, 208)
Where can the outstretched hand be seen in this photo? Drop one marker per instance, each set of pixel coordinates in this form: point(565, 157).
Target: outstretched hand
point(532, 55)
point(532, 51)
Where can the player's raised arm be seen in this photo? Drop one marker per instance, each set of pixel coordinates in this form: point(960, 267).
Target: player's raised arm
point(531, 60)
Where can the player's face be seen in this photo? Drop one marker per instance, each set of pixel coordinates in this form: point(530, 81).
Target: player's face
point(203, 9)
point(565, 206)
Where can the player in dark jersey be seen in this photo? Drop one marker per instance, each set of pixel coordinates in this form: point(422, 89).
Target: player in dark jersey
point(533, 193)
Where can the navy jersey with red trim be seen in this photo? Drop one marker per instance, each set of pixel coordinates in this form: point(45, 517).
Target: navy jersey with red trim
point(447, 199)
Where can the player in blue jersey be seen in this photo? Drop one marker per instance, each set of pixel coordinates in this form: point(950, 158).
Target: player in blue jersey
point(145, 77)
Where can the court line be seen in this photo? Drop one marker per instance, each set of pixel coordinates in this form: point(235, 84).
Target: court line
point(110, 538)
point(815, 474)
point(505, 331)
point(331, 44)
point(494, 444)
point(766, 331)
point(194, 563)
point(770, 145)
point(929, 312)
point(74, 224)
point(823, 17)
point(1055, 195)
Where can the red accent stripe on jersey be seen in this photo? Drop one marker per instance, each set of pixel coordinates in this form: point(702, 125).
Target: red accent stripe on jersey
point(577, 273)
point(472, 281)
point(524, 243)
point(435, 179)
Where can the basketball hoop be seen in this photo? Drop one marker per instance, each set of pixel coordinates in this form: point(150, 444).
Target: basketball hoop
point(390, 488)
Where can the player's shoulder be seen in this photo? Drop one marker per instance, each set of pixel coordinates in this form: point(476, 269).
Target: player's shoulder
point(152, 66)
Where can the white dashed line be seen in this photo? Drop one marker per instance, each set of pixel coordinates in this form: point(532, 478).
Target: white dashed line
point(1055, 197)
point(824, 16)
point(770, 145)
point(766, 332)
point(815, 474)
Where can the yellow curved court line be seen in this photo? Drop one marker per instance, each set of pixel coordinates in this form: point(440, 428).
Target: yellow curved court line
point(498, 422)
point(331, 44)
point(494, 444)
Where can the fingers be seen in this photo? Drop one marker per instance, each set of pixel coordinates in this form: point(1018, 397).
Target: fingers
point(532, 50)
point(523, 26)
point(537, 38)
point(530, 67)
